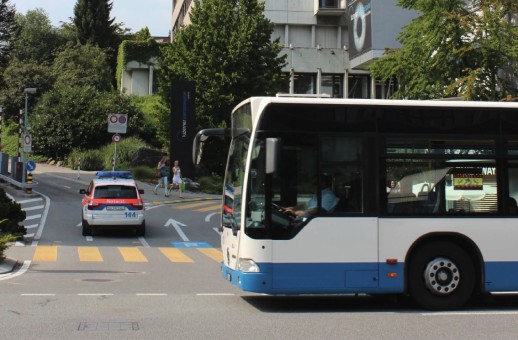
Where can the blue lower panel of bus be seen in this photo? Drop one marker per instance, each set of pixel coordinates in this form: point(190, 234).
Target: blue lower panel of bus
point(501, 276)
point(319, 278)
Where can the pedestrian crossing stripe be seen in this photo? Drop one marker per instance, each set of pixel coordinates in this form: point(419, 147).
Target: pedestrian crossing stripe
point(191, 245)
point(128, 254)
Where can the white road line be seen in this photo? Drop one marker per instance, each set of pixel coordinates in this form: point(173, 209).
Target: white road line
point(31, 226)
point(144, 242)
point(89, 238)
point(470, 313)
point(36, 207)
point(37, 294)
point(207, 218)
point(151, 294)
point(43, 219)
point(19, 272)
point(99, 294)
point(33, 217)
point(216, 230)
point(30, 200)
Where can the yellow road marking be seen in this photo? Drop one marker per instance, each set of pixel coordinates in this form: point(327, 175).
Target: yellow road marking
point(194, 205)
point(212, 207)
point(89, 254)
point(175, 255)
point(213, 253)
point(132, 254)
point(45, 254)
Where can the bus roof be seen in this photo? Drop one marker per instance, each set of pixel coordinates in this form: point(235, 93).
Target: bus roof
point(263, 101)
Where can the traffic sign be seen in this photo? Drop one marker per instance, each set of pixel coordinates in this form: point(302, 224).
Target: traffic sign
point(117, 123)
point(27, 142)
point(116, 138)
point(30, 166)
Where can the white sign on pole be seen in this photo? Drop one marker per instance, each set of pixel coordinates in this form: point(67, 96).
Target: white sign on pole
point(117, 123)
point(27, 142)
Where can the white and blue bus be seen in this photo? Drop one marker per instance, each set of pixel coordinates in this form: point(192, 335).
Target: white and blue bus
point(425, 198)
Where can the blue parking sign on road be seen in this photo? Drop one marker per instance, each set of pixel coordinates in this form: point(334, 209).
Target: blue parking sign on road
point(30, 166)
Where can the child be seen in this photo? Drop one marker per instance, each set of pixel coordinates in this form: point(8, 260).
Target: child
point(177, 178)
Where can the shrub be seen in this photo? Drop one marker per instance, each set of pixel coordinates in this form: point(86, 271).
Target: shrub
point(91, 160)
point(126, 148)
point(210, 184)
point(4, 243)
point(143, 172)
point(11, 215)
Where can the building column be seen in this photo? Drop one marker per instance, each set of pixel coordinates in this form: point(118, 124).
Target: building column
point(346, 84)
point(319, 81)
point(150, 80)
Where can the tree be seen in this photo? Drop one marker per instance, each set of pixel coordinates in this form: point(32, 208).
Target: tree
point(93, 23)
point(68, 117)
point(7, 31)
point(83, 65)
point(227, 51)
point(454, 49)
point(37, 39)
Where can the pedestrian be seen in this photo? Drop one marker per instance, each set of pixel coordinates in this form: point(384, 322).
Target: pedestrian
point(162, 174)
point(177, 178)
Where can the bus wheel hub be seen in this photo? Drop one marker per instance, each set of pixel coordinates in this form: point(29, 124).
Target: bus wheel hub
point(441, 276)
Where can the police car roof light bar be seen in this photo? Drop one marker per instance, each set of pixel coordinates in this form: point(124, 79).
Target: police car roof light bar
point(114, 174)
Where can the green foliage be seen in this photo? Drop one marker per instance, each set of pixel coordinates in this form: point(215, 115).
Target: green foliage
point(93, 23)
point(155, 129)
point(227, 51)
point(10, 139)
point(76, 117)
point(211, 184)
point(4, 243)
point(18, 76)
point(37, 39)
point(11, 215)
point(7, 31)
point(454, 49)
point(101, 158)
point(83, 65)
point(143, 172)
point(140, 51)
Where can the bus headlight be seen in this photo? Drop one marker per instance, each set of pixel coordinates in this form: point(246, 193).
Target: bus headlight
point(248, 266)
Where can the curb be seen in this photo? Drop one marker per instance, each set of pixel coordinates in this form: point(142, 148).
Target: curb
point(7, 265)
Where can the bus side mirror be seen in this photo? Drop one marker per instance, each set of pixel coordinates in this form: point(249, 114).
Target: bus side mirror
point(272, 155)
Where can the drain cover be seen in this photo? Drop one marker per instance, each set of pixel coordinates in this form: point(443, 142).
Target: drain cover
point(108, 326)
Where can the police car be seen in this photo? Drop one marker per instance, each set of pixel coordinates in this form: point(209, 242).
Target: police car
point(113, 199)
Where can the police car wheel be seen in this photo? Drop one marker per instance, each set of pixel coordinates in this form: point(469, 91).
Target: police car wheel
point(141, 230)
point(87, 231)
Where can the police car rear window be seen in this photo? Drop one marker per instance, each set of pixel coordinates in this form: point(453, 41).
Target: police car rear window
point(115, 191)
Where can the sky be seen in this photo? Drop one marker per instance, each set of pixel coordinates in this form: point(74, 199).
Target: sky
point(135, 14)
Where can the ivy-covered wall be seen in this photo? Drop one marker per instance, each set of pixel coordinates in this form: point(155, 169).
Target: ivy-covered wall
point(131, 50)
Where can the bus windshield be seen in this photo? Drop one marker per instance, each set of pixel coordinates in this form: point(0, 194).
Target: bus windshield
point(235, 172)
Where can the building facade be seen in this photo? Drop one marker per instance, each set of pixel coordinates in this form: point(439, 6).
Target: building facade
point(329, 43)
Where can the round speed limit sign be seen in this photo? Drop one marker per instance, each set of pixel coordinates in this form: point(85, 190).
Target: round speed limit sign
point(116, 138)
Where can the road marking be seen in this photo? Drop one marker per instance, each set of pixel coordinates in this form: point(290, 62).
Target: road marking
point(177, 225)
point(151, 294)
point(89, 238)
point(31, 200)
point(89, 254)
point(43, 219)
point(19, 272)
point(175, 255)
point(45, 254)
point(33, 217)
point(194, 205)
point(212, 207)
point(30, 226)
point(132, 254)
point(36, 207)
point(99, 294)
point(37, 294)
point(470, 313)
point(215, 294)
point(212, 253)
point(207, 218)
point(144, 242)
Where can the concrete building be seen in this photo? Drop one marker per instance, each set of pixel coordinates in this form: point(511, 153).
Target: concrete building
point(329, 43)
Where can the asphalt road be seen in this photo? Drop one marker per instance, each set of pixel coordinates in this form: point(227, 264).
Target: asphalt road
point(167, 285)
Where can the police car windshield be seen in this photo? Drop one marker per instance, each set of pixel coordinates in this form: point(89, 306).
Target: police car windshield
point(115, 191)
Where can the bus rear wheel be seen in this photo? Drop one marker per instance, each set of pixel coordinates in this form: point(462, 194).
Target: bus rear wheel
point(441, 276)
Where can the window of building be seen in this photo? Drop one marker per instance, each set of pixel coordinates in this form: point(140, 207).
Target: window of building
point(304, 83)
point(332, 85)
point(359, 86)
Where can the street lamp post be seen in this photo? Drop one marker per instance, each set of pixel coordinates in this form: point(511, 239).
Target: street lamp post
point(26, 91)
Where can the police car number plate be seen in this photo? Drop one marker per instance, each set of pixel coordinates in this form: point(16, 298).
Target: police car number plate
point(115, 207)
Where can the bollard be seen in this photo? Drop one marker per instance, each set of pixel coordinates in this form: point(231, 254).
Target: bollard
point(29, 182)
